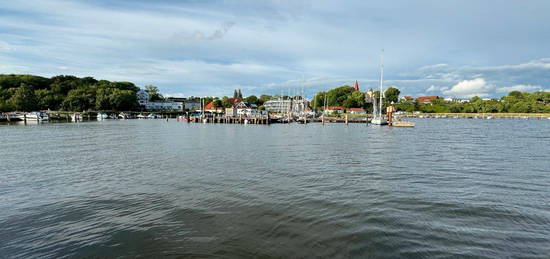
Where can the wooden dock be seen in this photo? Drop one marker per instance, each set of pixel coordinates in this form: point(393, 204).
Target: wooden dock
point(263, 120)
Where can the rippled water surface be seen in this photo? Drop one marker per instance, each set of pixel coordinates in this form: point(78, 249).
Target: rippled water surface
point(151, 188)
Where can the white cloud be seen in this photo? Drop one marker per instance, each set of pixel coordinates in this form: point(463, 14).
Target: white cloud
point(434, 88)
point(522, 88)
point(470, 88)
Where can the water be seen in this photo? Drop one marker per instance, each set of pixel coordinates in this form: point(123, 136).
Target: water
point(151, 188)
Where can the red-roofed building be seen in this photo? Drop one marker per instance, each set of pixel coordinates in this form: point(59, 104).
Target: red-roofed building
point(408, 98)
point(426, 99)
point(356, 86)
point(210, 108)
point(331, 109)
point(235, 100)
point(357, 111)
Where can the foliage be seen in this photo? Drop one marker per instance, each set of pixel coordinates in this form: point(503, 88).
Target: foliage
point(154, 94)
point(514, 102)
point(344, 96)
point(392, 95)
point(28, 92)
point(24, 98)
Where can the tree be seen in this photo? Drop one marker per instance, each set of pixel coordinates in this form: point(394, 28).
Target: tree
point(264, 98)
point(153, 91)
point(80, 99)
point(218, 103)
point(24, 98)
point(252, 99)
point(392, 95)
point(235, 94)
point(319, 100)
point(240, 95)
point(48, 99)
point(123, 100)
point(226, 102)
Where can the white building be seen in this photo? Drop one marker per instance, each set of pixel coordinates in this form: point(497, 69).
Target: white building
point(287, 105)
point(143, 100)
point(244, 109)
point(456, 100)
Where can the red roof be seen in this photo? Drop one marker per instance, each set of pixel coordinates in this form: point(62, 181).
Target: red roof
point(235, 100)
point(410, 98)
point(356, 109)
point(426, 99)
point(356, 86)
point(210, 106)
point(333, 108)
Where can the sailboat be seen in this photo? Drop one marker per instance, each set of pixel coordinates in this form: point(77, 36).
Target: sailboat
point(378, 118)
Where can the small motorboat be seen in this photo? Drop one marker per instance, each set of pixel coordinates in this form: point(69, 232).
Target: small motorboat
point(102, 116)
point(37, 116)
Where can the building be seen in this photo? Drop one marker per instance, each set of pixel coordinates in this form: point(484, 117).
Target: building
point(426, 99)
point(164, 106)
point(145, 103)
point(356, 86)
point(244, 109)
point(407, 98)
point(210, 108)
point(143, 97)
point(456, 100)
point(332, 109)
point(288, 105)
point(357, 111)
point(191, 104)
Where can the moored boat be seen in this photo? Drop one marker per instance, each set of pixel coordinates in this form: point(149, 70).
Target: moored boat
point(102, 116)
point(37, 116)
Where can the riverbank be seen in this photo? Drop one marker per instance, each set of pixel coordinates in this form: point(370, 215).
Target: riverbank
point(478, 115)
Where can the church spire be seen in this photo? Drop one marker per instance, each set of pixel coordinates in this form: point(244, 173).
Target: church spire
point(356, 86)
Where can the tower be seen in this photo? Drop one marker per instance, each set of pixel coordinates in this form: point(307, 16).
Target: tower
point(356, 86)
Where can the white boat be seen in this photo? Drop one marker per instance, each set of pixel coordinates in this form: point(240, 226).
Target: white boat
point(102, 116)
point(141, 116)
point(378, 117)
point(154, 116)
point(123, 116)
point(37, 116)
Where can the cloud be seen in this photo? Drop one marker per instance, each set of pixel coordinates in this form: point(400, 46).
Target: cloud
point(211, 47)
point(470, 88)
point(434, 88)
point(521, 88)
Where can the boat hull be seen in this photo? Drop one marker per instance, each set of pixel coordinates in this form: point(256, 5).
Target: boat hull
point(378, 121)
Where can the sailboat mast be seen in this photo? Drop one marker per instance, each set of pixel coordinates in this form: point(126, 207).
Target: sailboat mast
point(381, 81)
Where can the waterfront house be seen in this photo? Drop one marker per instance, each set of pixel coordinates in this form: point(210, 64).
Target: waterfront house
point(210, 108)
point(286, 105)
point(241, 108)
point(357, 111)
point(191, 103)
point(145, 103)
point(333, 109)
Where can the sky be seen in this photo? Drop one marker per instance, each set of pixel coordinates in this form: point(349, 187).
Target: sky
point(448, 48)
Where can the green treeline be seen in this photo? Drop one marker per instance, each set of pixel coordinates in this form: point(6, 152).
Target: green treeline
point(514, 102)
point(347, 97)
point(69, 93)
